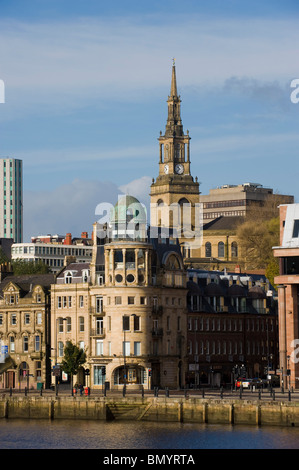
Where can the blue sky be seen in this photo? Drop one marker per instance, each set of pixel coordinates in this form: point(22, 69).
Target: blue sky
point(86, 84)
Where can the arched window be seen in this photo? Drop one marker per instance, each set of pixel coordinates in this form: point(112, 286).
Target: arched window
point(208, 250)
point(220, 250)
point(234, 249)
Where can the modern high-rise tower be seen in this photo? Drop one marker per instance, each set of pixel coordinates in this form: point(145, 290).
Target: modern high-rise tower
point(11, 199)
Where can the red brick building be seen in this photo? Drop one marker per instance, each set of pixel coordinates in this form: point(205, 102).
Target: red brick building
point(288, 294)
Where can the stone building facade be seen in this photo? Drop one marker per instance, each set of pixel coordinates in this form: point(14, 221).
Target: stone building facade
point(127, 309)
point(25, 330)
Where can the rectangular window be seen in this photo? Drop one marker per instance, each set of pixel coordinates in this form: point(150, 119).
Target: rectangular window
point(126, 348)
point(136, 323)
point(58, 302)
point(118, 300)
point(81, 324)
point(296, 229)
point(99, 347)
point(70, 301)
point(12, 344)
point(68, 324)
point(99, 304)
point(1, 320)
point(126, 323)
point(98, 378)
point(60, 325)
point(60, 349)
point(13, 319)
point(39, 318)
point(131, 300)
point(27, 318)
point(37, 343)
point(81, 301)
point(137, 348)
point(25, 344)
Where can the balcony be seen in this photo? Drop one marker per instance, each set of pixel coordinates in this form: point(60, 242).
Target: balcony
point(97, 311)
point(157, 332)
point(98, 332)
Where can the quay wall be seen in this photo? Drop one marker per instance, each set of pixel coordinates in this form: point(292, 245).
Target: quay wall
point(193, 410)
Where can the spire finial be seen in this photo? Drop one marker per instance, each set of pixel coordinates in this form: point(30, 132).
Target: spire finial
point(173, 89)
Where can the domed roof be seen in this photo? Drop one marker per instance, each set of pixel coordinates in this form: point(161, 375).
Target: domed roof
point(126, 208)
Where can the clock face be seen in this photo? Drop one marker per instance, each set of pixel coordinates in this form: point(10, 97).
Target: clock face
point(179, 169)
point(166, 169)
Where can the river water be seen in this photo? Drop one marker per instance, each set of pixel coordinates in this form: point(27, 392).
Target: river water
point(70, 434)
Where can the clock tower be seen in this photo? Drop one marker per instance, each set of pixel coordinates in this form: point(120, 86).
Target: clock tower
point(174, 187)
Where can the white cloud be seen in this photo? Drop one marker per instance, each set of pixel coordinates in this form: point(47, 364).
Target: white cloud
point(72, 207)
point(122, 58)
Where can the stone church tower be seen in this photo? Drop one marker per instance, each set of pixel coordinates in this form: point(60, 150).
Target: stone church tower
point(175, 194)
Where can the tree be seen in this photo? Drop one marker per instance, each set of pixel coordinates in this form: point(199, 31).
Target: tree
point(21, 266)
point(257, 238)
point(74, 358)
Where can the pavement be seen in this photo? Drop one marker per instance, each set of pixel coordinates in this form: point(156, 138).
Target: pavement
point(276, 394)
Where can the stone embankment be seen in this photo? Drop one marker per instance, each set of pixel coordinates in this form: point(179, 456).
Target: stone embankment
point(192, 410)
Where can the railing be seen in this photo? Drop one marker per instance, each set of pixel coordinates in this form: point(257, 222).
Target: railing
point(157, 332)
point(100, 332)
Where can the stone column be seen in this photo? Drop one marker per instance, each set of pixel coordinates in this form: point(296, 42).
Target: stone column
point(282, 332)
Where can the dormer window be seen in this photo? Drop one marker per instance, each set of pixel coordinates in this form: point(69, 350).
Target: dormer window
point(85, 275)
point(68, 277)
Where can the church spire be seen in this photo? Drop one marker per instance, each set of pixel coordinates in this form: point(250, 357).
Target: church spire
point(174, 125)
point(173, 89)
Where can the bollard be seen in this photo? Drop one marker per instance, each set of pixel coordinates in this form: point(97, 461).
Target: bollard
point(289, 395)
point(221, 393)
point(142, 391)
point(241, 392)
point(10, 392)
point(124, 390)
point(273, 395)
point(260, 394)
point(25, 391)
point(167, 392)
point(104, 392)
point(41, 392)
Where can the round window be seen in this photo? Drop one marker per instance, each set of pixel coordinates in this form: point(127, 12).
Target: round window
point(130, 278)
point(118, 278)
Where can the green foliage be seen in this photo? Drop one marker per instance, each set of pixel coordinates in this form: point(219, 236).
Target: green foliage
point(21, 266)
point(272, 270)
point(73, 359)
point(257, 239)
